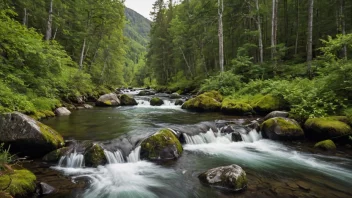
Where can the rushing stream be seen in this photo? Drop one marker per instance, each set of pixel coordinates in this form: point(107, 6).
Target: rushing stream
point(274, 169)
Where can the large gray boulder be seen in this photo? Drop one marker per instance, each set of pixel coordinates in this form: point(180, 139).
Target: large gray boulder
point(107, 100)
point(231, 177)
point(276, 114)
point(28, 136)
point(62, 111)
point(282, 129)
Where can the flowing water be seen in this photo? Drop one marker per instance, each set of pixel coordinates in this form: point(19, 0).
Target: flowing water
point(273, 169)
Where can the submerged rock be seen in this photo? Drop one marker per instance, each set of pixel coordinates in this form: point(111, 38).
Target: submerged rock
point(326, 128)
point(276, 114)
point(87, 106)
point(161, 146)
point(44, 189)
point(62, 111)
point(282, 129)
point(95, 156)
point(155, 101)
point(28, 136)
point(229, 106)
point(108, 100)
point(18, 183)
point(231, 177)
point(209, 101)
point(127, 100)
point(326, 145)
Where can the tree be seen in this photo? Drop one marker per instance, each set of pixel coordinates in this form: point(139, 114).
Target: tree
point(310, 38)
point(221, 35)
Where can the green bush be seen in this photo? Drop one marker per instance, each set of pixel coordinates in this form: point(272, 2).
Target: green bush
point(5, 157)
point(226, 83)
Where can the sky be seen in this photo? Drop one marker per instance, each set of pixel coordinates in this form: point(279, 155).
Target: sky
point(143, 7)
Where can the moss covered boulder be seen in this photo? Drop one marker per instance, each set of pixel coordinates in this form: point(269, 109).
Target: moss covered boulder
point(209, 101)
point(108, 100)
point(18, 183)
point(28, 136)
point(179, 102)
point(54, 156)
point(161, 146)
point(326, 145)
point(95, 156)
point(276, 114)
point(282, 129)
point(327, 128)
point(231, 177)
point(155, 101)
point(233, 107)
point(127, 100)
point(269, 103)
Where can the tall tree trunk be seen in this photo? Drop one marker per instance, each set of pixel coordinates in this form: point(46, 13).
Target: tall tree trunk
point(343, 26)
point(82, 55)
point(24, 22)
point(274, 33)
point(221, 35)
point(260, 35)
point(50, 22)
point(297, 27)
point(310, 38)
point(184, 57)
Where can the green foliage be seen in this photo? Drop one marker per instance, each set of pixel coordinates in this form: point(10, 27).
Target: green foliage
point(5, 157)
point(22, 183)
point(226, 83)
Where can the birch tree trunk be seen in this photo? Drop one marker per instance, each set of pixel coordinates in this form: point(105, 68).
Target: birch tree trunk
point(50, 22)
point(343, 26)
point(260, 35)
point(221, 35)
point(24, 21)
point(310, 38)
point(274, 34)
point(297, 27)
point(82, 55)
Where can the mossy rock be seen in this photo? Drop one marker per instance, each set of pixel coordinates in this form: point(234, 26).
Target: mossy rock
point(326, 145)
point(179, 102)
point(155, 101)
point(95, 156)
point(161, 146)
point(214, 94)
point(229, 106)
point(108, 100)
point(127, 100)
point(327, 128)
point(282, 129)
point(269, 103)
point(54, 156)
point(20, 183)
point(231, 177)
point(202, 103)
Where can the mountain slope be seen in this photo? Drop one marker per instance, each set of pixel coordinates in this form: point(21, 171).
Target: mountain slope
point(137, 27)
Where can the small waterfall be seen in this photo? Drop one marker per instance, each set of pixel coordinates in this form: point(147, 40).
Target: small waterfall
point(73, 160)
point(168, 104)
point(208, 137)
point(134, 156)
point(114, 157)
point(252, 136)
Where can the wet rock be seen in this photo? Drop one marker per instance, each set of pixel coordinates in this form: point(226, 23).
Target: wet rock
point(155, 101)
point(62, 111)
point(209, 101)
point(44, 189)
point(127, 100)
point(108, 100)
point(278, 114)
point(175, 96)
point(282, 129)
point(146, 93)
point(326, 145)
point(54, 156)
point(95, 156)
point(327, 128)
point(254, 125)
point(179, 102)
point(28, 136)
point(21, 184)
point(161, 146)
point(231, 177)
point(236, 137)
point(87, 106)
point(233, 107)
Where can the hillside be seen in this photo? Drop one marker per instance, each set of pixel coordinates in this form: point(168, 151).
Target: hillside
point(137, 27)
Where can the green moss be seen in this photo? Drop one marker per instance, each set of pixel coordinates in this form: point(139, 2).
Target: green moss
point(107, 103)
point(241, 182)
point(154, 145)
point(95, 156)
point(202, 103)
point(51, 135)
point(268, 103)
point(54, 156)
point(285, 125)
point(155, 101)
point(232, 106)
point(42, 114)
point(329, 127)
point(325, 145)
point(214, 94)
point(127, 100)
point(22, 183)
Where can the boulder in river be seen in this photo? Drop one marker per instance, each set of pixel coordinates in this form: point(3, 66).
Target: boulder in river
point(326, 145)
point(276, 114)
point(161, 146)
point(146, 93)
point(28, 136)
point(127, 100)
point(87, 106)
point(282, 129)
point(175, 96)
point(179, 102)
point(62, 111)
point(95, 156)
point(44, 189)
point(231, 177)
point(233, 107)
point(54, 156)
point(108, 100)
point(155, 101)
point(18, 183)
point(208, 101)
point(327, 128)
